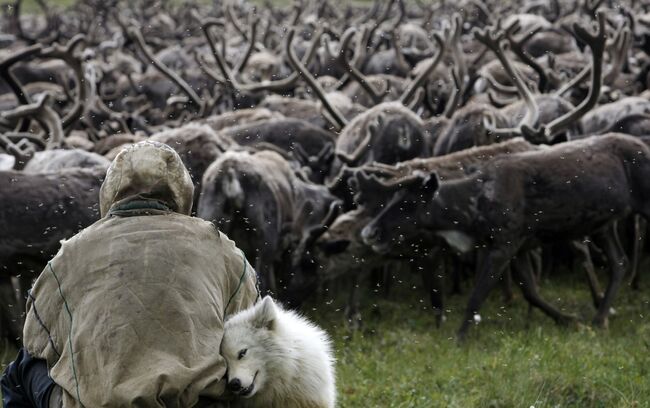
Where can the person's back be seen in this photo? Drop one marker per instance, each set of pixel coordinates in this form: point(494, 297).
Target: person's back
point(130, 312)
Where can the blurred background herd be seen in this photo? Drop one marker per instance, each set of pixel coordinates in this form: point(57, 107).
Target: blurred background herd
point(383, 165)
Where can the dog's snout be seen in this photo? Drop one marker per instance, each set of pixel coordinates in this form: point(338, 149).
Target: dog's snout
point(234, 385)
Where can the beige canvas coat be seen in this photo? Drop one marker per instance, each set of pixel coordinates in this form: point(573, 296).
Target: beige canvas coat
point(130, 312)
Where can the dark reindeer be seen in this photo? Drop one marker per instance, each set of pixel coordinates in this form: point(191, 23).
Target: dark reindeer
point(515, 202)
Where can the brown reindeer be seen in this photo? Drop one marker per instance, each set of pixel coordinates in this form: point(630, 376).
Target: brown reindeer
point(515, 202)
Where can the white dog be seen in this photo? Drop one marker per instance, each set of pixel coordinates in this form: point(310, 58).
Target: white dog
point(278, 359)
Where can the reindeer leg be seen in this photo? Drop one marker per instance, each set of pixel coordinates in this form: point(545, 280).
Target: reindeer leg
point(11, 323)
point(536, 259)
point(581, 250)
point(266, 271)
point(524, 272)
point(433, 282)
point(640, 229)
point(272, 281)
point(490, 271)
point(549, 262)
point(379, 278)
point(453, 266)
point(21, 285)
point(352, 314)
point(506, 286)
point(513, 272)
point(608, 241)
point(535, 262)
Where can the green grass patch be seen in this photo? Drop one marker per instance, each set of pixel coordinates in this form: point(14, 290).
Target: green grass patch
point(398, 359)
point(31, 6)
point(512, 359)
point(7, 354)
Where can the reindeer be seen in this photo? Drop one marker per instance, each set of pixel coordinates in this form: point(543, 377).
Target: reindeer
point(514, 202)
point(480, 124)
point(258, 201)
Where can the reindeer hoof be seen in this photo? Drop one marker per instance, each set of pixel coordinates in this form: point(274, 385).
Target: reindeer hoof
point(440, 319)
point(601, 322)
point(598, 301)
point(461, 334)
point(567, 320)
point(461, 337)
point(354, 322)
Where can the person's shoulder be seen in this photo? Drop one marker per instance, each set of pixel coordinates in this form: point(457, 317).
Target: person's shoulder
point(169, 221)
point(85, 233)
point(198, 225)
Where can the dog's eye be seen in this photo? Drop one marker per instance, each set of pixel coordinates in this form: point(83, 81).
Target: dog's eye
point(241, 354)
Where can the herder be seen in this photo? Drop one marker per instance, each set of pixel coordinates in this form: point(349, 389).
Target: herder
point(130, 312)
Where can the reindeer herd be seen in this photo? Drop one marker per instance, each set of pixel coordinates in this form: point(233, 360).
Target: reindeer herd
point(472, 142)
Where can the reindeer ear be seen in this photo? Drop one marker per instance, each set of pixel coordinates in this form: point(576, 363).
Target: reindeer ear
point(327, 153)
point(353, 184)
point(303, 213)
point(380, 119)
point(430, 183)
point(265, 314)
point(376, 123)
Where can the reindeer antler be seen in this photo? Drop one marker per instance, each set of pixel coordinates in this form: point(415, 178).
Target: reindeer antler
point(21, 150)
point(67, 54)
point(376, 96)
point(194, 99)
point(457, 52)
point(251, 46)
point(619, 48)
point(517, 46)
point(338, 117)
point(456, 93)
point(597, 44)
point(400, 17)
point(230, 80)
point(45, 115)
point(384, 16)
point(230, 13)
point(17, 89)
point(419, 80)
point(298, 8)
point(494, 40)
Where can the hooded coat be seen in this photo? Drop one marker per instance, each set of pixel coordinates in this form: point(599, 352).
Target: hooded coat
point(130, 312)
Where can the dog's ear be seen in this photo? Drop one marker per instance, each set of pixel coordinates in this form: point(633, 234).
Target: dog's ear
point(265, 314)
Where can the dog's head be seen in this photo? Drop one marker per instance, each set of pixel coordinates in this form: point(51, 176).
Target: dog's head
point(247, 347)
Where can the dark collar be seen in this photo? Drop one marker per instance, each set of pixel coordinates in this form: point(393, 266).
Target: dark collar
point(140, 207)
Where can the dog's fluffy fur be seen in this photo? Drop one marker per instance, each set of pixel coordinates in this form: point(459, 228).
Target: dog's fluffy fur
point(278, 358)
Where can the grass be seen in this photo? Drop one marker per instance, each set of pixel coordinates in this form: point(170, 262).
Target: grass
point(31, 6)
point(400, 360)
point(510, 360)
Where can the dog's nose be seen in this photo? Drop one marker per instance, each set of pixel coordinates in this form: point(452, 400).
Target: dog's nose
point(234, 385)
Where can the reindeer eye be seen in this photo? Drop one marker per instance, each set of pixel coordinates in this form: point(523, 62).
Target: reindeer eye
point(241, 354)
